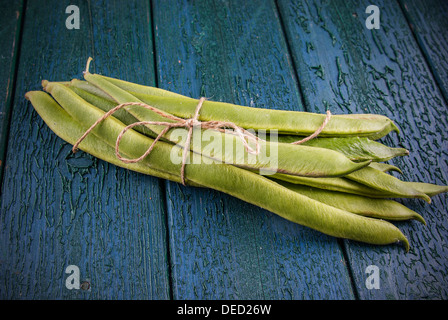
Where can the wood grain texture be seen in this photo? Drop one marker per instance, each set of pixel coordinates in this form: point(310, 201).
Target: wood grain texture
point(60, 209)
point(11, 18)
point(223, 248)
point(428, 22)
point(348, 68)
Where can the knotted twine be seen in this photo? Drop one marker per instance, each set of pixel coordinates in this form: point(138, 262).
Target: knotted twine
point(188, 124)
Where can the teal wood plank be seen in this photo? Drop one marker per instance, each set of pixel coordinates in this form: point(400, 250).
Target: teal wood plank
point(221, 247)
point(428, 21)
point(11, 18)
point(60, 209)
point(348, 68)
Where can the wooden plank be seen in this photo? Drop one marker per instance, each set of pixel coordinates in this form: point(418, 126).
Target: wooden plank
point(429, 24)
point(59, 209)
point(11, 17)
point(346, 67)
point(223, 248)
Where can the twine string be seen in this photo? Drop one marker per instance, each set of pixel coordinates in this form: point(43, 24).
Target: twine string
point(317, 132)
point(244, 135)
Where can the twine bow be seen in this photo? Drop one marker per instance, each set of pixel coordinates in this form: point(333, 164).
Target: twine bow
point(180, 122)
point(188, 124)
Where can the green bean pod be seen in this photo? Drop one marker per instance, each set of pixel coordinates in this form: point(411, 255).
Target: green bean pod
point(382, 181)
point(297, 123)
point(285, 122)
point(273, 157)
point(385, 167)
point(86, 87)
point(340, 184)
point(106, 105)
point(65, 127)
point(240, 183)
point(377, 188)
point(354, 148)
point(428, 188)
point(421, 187)
point(138, 88)
point(369, 207)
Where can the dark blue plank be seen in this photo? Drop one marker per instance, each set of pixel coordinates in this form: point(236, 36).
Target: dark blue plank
point(429, 24)
point(223, 248)
point(11, 21)
point(348, 68)
point(59, 209)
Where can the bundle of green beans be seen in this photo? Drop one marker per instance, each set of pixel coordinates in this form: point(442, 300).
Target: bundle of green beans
point(337, 183)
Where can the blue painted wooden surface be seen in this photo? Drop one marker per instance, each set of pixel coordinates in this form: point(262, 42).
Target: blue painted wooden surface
point(10, 30)
point(138, 237)
point(428, 22)
point(380, 71)
point(60, 210)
